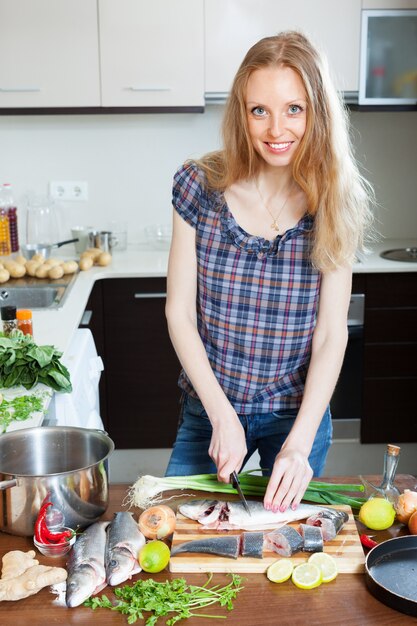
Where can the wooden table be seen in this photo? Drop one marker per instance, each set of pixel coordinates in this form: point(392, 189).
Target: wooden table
point(344, 601)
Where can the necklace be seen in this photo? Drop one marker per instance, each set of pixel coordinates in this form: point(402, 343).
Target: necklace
point(274, 225)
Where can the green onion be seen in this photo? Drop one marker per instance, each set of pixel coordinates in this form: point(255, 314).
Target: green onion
point(147, 490)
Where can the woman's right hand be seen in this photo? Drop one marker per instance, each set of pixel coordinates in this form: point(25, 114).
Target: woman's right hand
point(228, 446)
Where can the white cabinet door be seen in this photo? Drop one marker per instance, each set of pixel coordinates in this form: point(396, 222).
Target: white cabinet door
point(233, 26)
point(152, 53)
point(49, 53)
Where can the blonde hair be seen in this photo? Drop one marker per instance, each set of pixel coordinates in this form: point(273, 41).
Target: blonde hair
point(337, 195)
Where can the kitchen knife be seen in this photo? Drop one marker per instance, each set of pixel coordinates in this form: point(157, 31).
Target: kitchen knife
point(236, 484)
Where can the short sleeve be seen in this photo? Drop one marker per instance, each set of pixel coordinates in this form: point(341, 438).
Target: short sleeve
point(187, 193)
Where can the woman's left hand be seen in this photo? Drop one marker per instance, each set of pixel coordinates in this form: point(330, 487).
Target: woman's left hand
point(289, 480)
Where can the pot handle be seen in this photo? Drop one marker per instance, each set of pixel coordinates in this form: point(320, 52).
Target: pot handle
point(7, 484)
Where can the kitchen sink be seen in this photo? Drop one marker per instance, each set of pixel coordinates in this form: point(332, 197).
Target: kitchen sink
point(35, 294)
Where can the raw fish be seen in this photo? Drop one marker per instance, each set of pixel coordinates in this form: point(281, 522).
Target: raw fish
point(223, 546)
point(285, 541)
point(220, 515)
point(330, 521)
point(313, 538)
point(124, 540)
point(252, 544)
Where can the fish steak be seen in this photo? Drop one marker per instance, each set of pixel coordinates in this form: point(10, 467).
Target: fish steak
point(330, 521)
point(313, 538)
point(285, 541)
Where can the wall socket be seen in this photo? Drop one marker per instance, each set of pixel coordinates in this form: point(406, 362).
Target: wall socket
point(69, 190)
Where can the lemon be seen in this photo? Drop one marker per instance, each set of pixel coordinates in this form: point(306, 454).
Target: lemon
point(326, 564)
point(377, 514)
point(306, 576)
point(154, 556)
point(280, 570)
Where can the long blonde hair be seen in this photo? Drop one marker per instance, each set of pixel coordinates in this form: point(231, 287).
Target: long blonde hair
point(337, 195)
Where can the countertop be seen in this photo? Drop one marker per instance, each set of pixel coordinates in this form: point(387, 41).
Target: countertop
point(56, 327)
point(346, 600)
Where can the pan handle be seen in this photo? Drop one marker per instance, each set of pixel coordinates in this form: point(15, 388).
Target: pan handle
point(62, 243)
point(7, 484)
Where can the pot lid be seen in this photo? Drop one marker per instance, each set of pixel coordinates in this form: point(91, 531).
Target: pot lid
point(409, 255)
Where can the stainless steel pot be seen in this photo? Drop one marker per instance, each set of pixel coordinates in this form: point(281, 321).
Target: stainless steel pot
point(67, 464)
point(43, 248)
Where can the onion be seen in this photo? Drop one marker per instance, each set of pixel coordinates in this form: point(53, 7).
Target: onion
point(412, 523)
point(157, 522)
point(406, 505)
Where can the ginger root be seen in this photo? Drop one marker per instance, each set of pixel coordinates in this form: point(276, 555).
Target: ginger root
point(22, 576)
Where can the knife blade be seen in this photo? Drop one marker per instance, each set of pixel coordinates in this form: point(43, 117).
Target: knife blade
point(234, 479)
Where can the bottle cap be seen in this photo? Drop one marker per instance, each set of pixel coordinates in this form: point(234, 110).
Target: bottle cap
point(392, 449)
point(8, 313)
point(24, 314)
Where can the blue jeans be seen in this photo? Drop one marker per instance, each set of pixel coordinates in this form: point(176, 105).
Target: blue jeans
point(265, 432)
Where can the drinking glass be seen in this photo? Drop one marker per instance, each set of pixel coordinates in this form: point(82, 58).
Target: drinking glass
point(41, 221)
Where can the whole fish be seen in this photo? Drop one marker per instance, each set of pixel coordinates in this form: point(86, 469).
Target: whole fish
point(219, 515)
point(124, 540)
point(86, 573)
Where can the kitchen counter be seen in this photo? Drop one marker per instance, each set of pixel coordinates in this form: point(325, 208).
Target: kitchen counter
point(345, 600)
point(57, 326)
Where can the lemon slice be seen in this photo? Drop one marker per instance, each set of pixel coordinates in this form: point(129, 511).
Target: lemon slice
point(280, 571)
point(326, 564)
point(306, 576)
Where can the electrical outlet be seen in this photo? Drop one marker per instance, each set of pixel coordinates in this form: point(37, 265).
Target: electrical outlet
point(69, 191)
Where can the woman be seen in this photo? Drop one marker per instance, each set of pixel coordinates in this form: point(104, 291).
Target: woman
point(265, 232)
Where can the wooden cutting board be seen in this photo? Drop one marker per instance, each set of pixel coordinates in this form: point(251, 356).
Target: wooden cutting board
point(346, 548)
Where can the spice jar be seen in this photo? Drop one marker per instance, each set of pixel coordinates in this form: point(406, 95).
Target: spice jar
point(24, 321)
point(8, 318)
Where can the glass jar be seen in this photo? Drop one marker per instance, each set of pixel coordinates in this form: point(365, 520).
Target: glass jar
point(8, 318)
point(24, 321)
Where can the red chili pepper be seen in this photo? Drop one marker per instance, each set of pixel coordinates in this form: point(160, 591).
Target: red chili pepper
point(367, 541)
point(49, 537)
point(40, 521)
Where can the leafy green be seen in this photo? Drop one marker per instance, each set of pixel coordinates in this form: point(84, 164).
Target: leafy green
point(23, 362)
point(175, 596)
point(19, 409)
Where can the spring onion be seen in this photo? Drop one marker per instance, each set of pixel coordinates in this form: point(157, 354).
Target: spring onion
point(147, 490)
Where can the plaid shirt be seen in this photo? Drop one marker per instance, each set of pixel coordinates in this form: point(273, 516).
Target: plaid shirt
point(256, 302)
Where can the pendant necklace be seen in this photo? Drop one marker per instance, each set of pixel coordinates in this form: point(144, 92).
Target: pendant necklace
point(274, 225)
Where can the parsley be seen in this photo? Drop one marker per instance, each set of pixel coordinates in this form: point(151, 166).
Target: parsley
point(175, 596)
point(19, 409)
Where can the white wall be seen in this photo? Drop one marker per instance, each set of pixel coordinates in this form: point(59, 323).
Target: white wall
point(128, 161)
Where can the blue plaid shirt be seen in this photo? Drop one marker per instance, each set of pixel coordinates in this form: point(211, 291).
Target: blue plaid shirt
point(256, 302)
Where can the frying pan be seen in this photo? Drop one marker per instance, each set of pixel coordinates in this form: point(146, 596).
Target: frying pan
point(43, 248)
point(391, 573)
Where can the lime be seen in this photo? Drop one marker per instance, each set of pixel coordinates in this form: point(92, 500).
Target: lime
point(154, 556)
point(377, 514)
point(280, 570)
point(326, 564)
point(306, 576)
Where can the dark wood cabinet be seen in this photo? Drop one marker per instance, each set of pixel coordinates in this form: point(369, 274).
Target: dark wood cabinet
point(390, 358)
point(139, 394)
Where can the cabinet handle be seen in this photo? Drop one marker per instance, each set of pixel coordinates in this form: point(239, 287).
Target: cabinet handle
point(133, 88)
point(19, 89)
point(86, 318)
point(156, 294)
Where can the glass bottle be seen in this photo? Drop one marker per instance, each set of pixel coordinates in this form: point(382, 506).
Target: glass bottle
point(8, 318)
point(24, 321)
point(11, 210)
point(391, 458)
point(5, 248)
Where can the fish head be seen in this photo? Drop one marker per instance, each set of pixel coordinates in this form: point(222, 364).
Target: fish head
point(80, 585)
point(120, 566)
point(198, 509)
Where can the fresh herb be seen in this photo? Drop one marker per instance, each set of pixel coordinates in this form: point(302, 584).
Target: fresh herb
point(19, 409)
point(161, 599)
point(23, 362)
point(147, 490)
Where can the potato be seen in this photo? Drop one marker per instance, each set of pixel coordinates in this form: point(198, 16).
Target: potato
point(38, 257)
point(4, 276)
point(104, 259)
point(42, 271)
point(93, 252)
point(21, 259)
point(86, 263)
point(17, 271)
point(32, 266)
point(56, 271)
point(52, 262)
point(70, 267)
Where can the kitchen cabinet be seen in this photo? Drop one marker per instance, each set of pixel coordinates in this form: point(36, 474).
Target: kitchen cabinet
point(152, 53)
point(390, 364)
point(232, 26)
point(141, 395)
point(49, 53)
